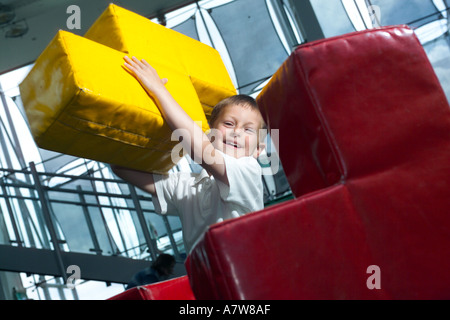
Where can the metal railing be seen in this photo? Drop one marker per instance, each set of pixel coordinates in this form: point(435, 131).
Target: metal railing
point(30, 215)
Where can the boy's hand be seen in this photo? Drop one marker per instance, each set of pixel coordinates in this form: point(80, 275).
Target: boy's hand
point(146, 75)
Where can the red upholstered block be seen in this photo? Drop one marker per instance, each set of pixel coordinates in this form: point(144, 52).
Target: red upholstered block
point(365, 143)
point(320, 245)
point(174, 289)
point(264, 255)
point(310, 248)
point(353, 105)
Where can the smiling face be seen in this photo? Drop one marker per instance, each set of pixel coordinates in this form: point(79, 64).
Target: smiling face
point(235, 131)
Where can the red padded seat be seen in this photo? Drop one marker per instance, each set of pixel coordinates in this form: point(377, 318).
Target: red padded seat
point(174, 289)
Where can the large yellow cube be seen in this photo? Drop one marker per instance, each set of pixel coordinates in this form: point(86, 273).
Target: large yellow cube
point(133, 34)
point(80, 100)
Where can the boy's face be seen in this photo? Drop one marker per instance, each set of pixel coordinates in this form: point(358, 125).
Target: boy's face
point(236, 131)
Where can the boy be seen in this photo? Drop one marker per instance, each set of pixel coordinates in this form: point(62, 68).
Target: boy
point(230, 183)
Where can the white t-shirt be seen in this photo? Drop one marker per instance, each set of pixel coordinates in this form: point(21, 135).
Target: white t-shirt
point(200, 200)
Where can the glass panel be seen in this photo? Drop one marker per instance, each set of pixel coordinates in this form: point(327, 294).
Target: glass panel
point(412, 12)
point(188, 28)
point(6, 232)
point(73, 225)
point(332, 17)
point(54, 161)
point(104, 238)
point(175, 223)
point(438, 52)
point(252, 42)
point(156, 226)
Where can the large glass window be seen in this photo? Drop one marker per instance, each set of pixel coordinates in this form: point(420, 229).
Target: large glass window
point(249, 36)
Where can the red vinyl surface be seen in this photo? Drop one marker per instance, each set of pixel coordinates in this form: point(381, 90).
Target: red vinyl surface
point(364, 130)
point(174, 289)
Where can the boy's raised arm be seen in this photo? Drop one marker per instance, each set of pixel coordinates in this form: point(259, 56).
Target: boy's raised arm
point(194, 139)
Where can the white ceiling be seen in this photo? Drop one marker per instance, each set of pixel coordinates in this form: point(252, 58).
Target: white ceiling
point(45, 17)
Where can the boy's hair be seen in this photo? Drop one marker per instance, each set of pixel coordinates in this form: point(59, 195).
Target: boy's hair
point(163, 262)
point(240, 99)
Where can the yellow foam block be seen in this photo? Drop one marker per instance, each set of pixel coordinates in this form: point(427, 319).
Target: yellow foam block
point(133, 34)
point(79, 99)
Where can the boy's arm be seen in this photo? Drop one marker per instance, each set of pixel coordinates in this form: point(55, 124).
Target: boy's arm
point(142, 180)
point(194, 139)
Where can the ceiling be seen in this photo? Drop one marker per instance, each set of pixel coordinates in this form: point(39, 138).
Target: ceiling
point(31, 8)
point(45, 17)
